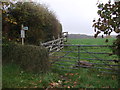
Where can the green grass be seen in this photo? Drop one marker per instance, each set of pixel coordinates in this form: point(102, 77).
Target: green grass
point(15, 77)
point(85, 56)
point(94, 41)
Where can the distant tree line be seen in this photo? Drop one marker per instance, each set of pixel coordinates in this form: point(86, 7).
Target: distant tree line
point(42, 23)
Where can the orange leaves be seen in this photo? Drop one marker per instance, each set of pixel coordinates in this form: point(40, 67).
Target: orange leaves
point(71, 81)
point(68, 86)
point(55, 84)
point(10, 20)
point(74, 82)
point(71, 74)
point(66, 81)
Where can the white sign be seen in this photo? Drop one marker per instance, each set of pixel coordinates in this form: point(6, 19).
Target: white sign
point(25, 28)
point(22, 33)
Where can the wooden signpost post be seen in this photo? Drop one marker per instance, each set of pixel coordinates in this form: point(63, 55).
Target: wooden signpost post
point(23, 33)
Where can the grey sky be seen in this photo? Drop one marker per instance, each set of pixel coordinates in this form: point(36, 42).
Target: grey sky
point(76, 16)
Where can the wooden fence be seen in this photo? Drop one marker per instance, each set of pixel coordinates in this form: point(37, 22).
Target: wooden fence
point(50, 45)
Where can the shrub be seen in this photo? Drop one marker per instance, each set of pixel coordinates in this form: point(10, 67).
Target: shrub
point(29, 57)
point(42, 22)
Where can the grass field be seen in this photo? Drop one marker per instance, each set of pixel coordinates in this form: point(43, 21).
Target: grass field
point(94, 41)
point(88, 53)
point(15, 77)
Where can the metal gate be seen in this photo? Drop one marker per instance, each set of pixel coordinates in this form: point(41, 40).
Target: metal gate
point(73, 57)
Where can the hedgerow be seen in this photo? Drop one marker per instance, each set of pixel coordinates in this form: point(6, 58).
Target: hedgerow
point(29, 57)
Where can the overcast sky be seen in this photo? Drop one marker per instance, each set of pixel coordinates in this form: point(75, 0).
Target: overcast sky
point(76, 16)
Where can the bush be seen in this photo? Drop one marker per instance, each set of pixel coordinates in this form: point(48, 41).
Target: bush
point(42, 22)
point(29, 57)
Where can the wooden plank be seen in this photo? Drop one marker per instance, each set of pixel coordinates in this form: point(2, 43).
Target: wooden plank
point(49, 42)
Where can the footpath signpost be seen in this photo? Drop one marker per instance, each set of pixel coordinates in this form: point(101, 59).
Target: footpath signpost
point(23, 33)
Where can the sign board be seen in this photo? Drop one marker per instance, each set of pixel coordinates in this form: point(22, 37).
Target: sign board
point(25, 28)
point(22, 33)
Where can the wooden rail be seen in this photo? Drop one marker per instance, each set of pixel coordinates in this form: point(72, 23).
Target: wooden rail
point(55, 45)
